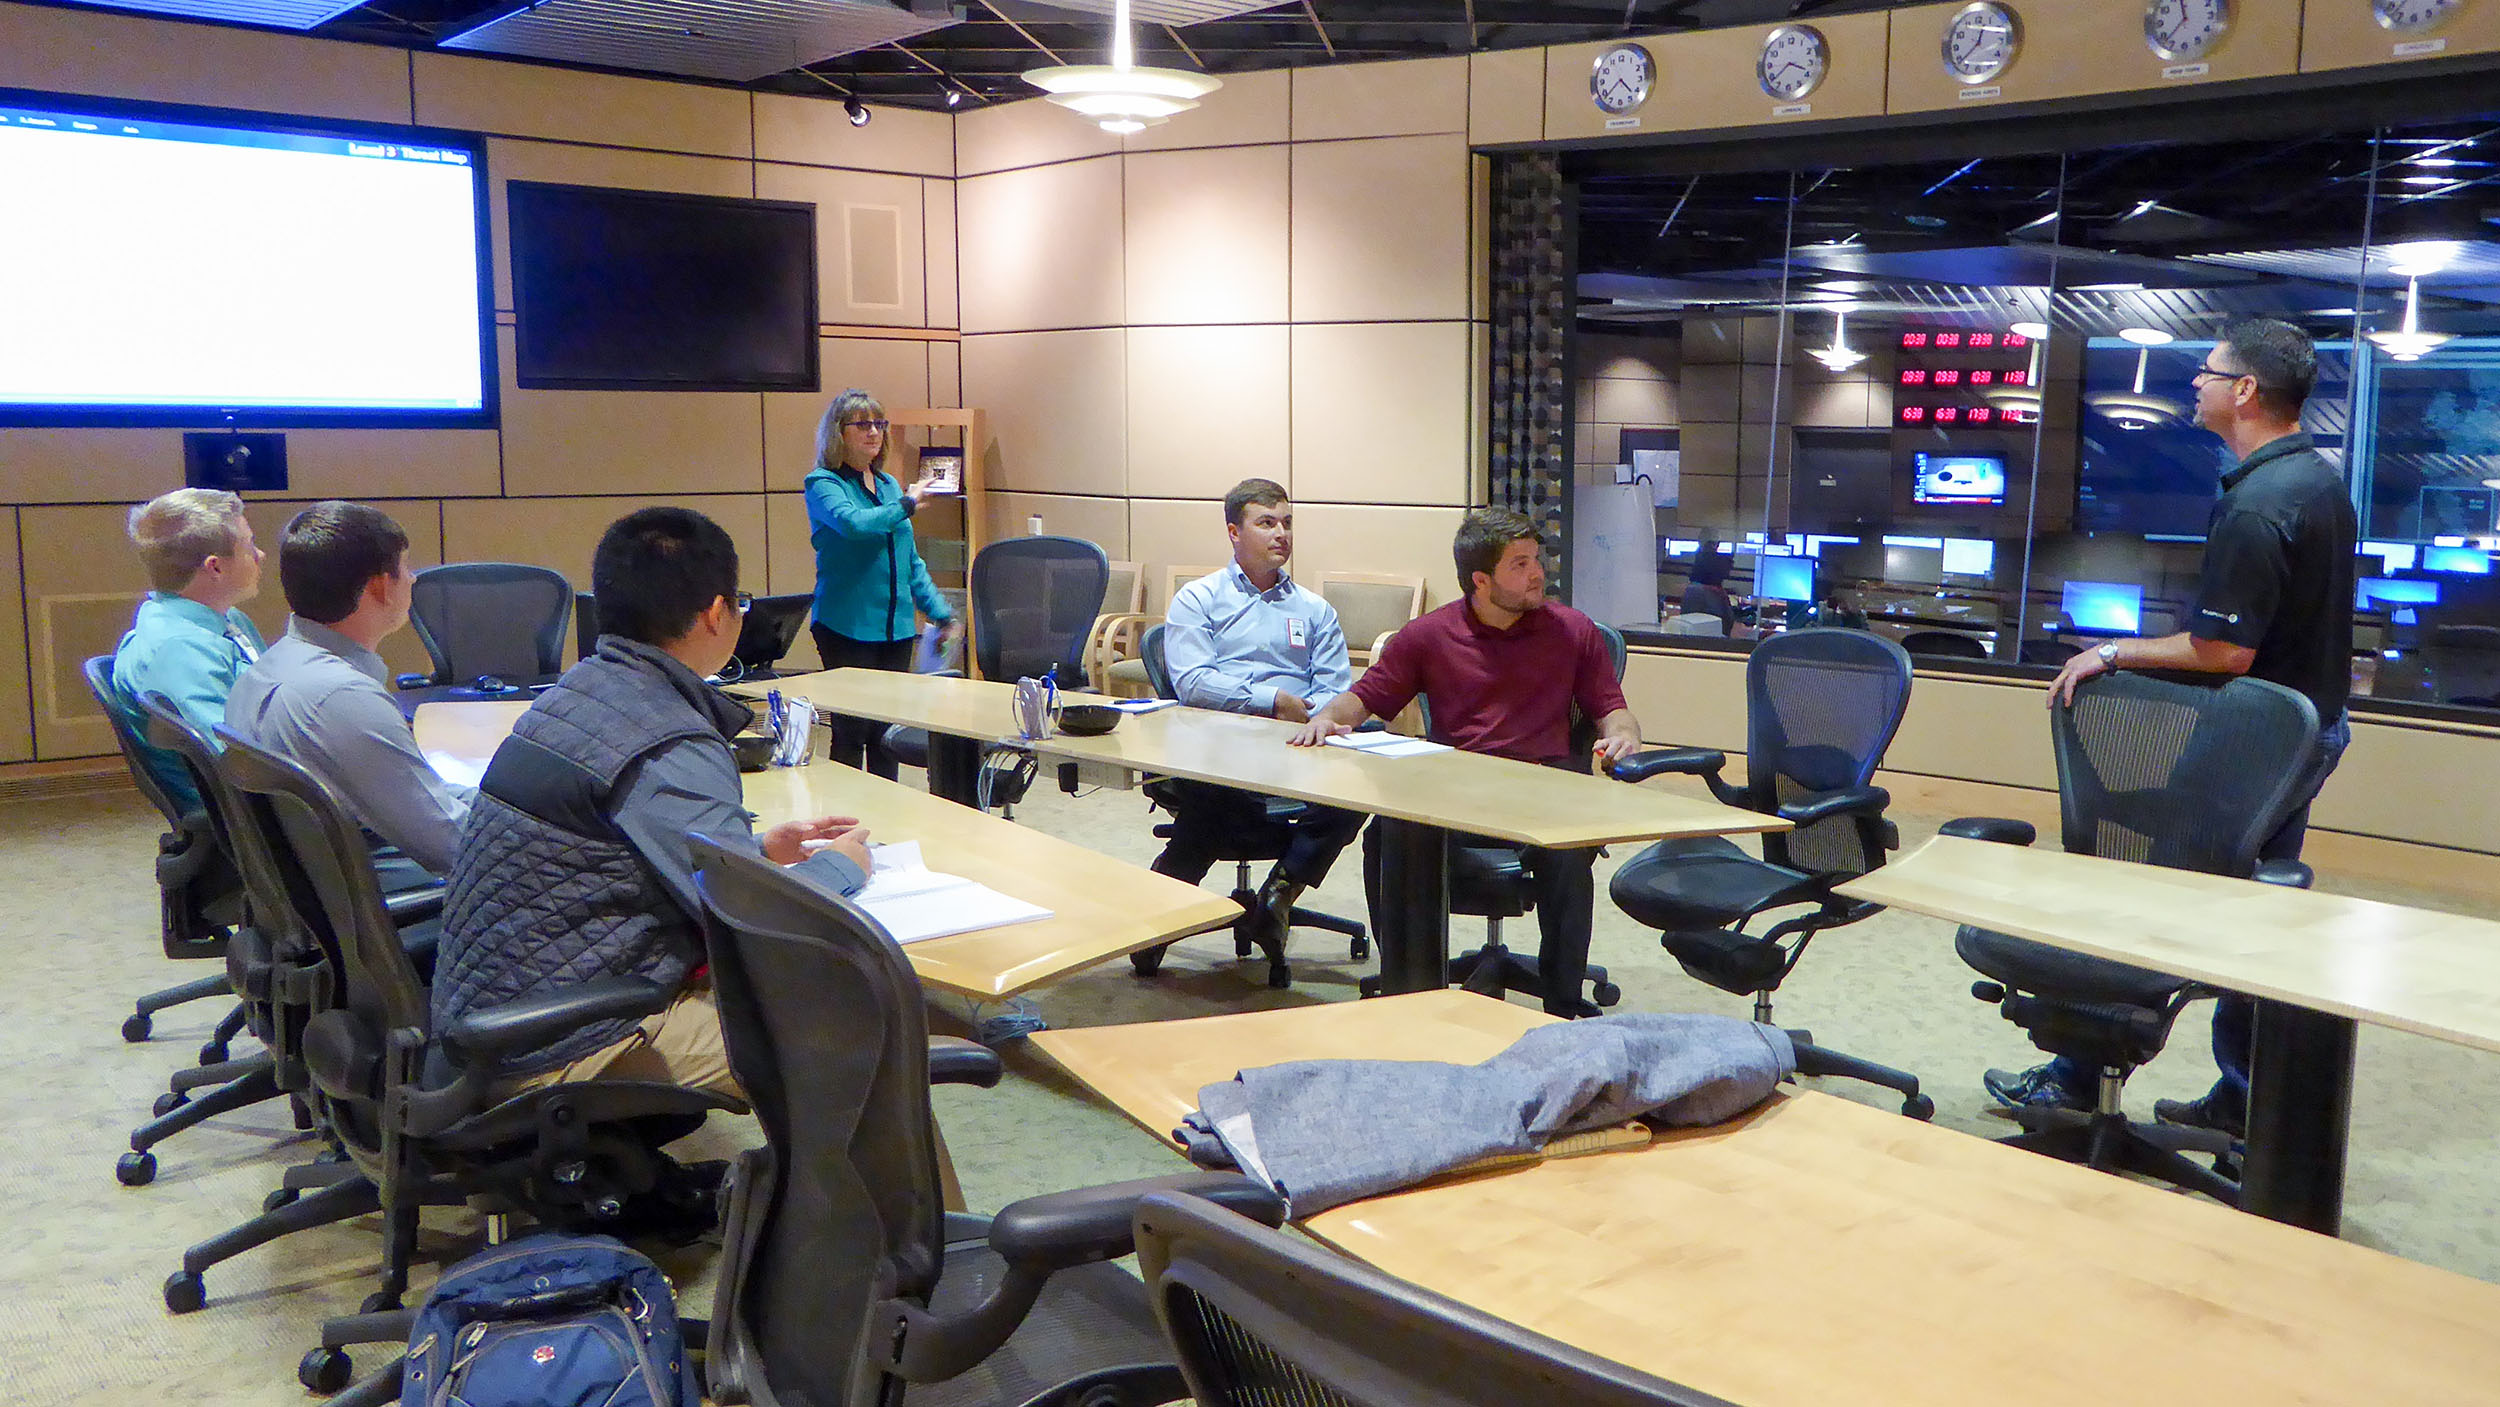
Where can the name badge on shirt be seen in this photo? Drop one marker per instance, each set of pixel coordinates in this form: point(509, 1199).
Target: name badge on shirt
point(1297, 633)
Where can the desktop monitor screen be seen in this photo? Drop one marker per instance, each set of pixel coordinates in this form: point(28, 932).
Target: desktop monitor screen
point(1969, 556)
point(2468, 560)
point(2393, 556)
point(1784, 578)
point(2372, 591)
point(1959, 479)
point(2104, 605)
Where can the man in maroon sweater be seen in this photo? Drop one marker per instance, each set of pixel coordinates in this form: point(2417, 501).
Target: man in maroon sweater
point(1501, 670)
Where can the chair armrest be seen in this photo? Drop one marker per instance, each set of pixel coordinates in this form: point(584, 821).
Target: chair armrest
point(1060, 1230)
point(1997, 830)
point(2291, 874)
point(1113, 638)
point(488, 1034)
point(1848, 801)
point(412, 681)
point(956, 1061)
point(414, 905)
point(1685, 761)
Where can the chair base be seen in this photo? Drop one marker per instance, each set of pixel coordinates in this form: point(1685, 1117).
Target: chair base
point(140, 1023)
point(1820, 1061)
point(2110, 1142)
point(1149, 961)
point(1493, 970)
point(250, 1081)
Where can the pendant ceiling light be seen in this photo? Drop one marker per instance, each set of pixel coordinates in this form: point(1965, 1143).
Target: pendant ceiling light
point(1838, 357)
point(1119, 95)
point(2412, 343)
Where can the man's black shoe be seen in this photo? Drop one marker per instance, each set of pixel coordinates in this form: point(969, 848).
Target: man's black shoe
point(2209, 1111)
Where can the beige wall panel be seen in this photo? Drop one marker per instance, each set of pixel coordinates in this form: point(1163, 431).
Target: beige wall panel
point(1687, 700)
point(1832, 401)
point(789, 563)
point(1600, 444)
point(1380, 412)
point(1981, 732)
point(817, 132)
point(72, 51)
point(2075, 47)
point(1041, 248)
point(1168, 532)
point(1479, 237)
point(1506, 96)
point(527, 100)
point(1707, 448)
point(1250, 109)
point(392, 464)
point(1207, 235)
point(1028, 133)
point(88, 466)
point(1706, 80)
point(871, 242)
point(946, 374)
point(17, 720)
point(938, 252)
point(1394, 99)
point(1634, 402)
point(1103, 521)
point(1346, 537)
point(2387, 785)
point(596, 166)
point(1380, 229)
point(563, 532)
point(896, 373)
point(1479, 402)
point(1207, 408)
point(2346, 36)
point(1056, 404)
point(592, 442)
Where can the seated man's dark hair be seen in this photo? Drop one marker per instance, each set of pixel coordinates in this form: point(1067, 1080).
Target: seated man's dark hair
point(330, 552)
point(1266, 493)
point(1483, 536)
point(656, 569)
point(2280, 356)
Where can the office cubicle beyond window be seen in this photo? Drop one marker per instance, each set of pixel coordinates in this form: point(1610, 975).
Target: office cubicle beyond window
point(1949, 400)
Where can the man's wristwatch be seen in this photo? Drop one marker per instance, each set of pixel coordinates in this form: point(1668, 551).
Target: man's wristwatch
point(2109, 655)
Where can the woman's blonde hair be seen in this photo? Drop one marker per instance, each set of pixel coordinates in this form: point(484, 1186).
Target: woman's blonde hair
point(178, 532)
point(849, 405)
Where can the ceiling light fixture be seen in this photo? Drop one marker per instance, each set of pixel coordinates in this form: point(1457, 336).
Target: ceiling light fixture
point(2146, 336)
point(2421, 258)
point(954, 97)
point(1838, 357)
point(856, 110)
point(2410, 343)
point(1119, 96)
point(2036, 331)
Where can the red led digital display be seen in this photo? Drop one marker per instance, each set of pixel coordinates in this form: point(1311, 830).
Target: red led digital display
point(1979, 415)
point(1948, 378)
point(1948, 339)
point(1913, 414)
point(2016, 339)
point(2017, 377)
point(1982, 378)
point(1981, 339)
point(2021, 417)
point(1913, 377)
point(1913, 339)
point(1947, 414)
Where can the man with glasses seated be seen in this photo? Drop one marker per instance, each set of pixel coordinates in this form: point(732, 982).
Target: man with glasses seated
point(2274, 601)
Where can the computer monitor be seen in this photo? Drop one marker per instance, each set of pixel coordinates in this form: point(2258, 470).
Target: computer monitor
point(2385, 592)
point(1970, 556)
point(1784, 578)
point(2469, 561)
point(1914, 566)
point(2116, 607)
point(2392, 556)
point(771, 627)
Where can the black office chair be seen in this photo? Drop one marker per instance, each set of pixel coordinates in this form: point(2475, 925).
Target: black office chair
point(1944, 644)
point(498, 618)
point(1259, 1318)
point(2464, 664)
point(585, 625)
point(842, 1279)
point(771, 627)
point(199, 894)
point(1820, 708)
point(2052, 653)
point(1491, 881)
point(2172, 771)
point(422, 1112)
point(1266, 833)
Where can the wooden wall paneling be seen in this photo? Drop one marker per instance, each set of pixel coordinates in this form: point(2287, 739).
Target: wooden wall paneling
point(871, 241)
point(1033, 132)
point(17, 719)
point(564, 532)
point(66, 465)
point(1207, 408)
point(938, 253)
point(817, 132)
point(1167, 532)
point(1707, 80)
point(1041, 248)
point(1104, 521)
point(126, 56)
point(895, 371)
point(595, 166)
point(567, 105)
point(1362, 537)
point(1379, 412)
point(1687, 700)
point(612, 442)
point(946, 373)
point(1057, 405)
point(389, 464)
point(1506, 96)
point(2348, 36)
point(1190, 213)
point(1251, 109)
point(2389, 784)
point(1400, 97)
point(1380, 229)
point(2072, 48)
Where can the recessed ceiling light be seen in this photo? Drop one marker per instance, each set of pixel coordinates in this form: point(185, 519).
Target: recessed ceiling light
point(2033, 330)
point(2146, 336)
point(2427, 180)
point(2435, 161)
point(2106, 288)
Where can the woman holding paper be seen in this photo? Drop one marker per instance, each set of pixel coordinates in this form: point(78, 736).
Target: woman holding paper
point(869, 576)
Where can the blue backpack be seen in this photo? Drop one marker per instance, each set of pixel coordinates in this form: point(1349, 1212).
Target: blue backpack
point(549, 1320)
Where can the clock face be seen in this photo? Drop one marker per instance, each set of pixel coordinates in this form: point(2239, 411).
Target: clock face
point(1981, 41)
point(1621, 80)
point(2412, 14)
point(2185, 29)
point(1794, 59)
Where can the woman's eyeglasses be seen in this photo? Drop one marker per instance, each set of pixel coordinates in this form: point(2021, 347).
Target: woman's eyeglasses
point(876, 425)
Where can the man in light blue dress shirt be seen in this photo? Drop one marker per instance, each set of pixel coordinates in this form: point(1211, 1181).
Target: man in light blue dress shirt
point(190, 639)
point(1249, 639)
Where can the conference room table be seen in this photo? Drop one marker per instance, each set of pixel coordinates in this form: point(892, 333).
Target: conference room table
point(2317, 964)
point(1817, 1251)
point(1422, 801)
point(1101, 908)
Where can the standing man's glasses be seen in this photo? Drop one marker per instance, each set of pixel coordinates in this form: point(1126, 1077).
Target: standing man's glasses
point(2205, 369)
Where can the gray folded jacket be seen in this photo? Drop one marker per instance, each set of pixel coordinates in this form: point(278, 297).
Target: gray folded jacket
point(1328, 1132)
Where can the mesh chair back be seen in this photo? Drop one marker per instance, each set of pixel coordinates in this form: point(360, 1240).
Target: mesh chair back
point(2191, 775)
point(498, 618)
point(2464, 663)
point(209, 904)
point(1944, 644)
point(1258, 1318)
point(1034, 600)
point(827, 1033)
point(99, 672)
point(1821, 706)
point(1158, 669)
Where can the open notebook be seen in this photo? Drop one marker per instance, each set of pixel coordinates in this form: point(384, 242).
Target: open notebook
point(915, 902)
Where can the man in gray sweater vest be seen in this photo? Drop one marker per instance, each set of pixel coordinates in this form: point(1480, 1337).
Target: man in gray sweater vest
point(573, 864)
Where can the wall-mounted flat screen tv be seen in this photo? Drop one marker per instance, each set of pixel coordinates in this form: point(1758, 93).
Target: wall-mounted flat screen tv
point(619, 290)
point(1949, 479)
point(189, 266)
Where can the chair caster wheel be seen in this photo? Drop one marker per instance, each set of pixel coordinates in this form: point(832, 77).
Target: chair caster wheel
point(379, 1302)
point(1369, 987)
point(1358, 948)
point(215, 1053)
point(136, 1026)
point(1146, 962)
point(1919, 1107)
point(2227, 1165)
point(1279, 976)
point(1243, 947)
point(325, 1370)
point(135, 1169)
point(278, 1197)
point(185, 1292)
point(1605, 993)
point(168, 1102)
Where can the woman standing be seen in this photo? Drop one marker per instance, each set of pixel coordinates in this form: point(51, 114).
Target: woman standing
point(869, 576)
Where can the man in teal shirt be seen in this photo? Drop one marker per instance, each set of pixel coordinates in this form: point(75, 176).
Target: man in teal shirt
point(189, 641)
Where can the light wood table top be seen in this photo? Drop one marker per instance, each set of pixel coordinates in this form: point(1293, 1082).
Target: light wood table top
point(1101, 908)
point(2432, 973)
point(1459, 791)
point(1817, 1251)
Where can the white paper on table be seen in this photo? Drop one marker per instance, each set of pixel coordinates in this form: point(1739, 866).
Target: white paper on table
point(915, 902)
point(460, 771)
point(1143, 705)
point(1387, 744)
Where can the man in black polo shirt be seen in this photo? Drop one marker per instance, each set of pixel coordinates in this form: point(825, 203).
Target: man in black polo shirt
point(2273, 601)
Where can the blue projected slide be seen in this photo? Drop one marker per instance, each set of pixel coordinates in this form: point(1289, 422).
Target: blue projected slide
point(2387, 591)
point(1784, 578)
point(2468, 560)
point(2104, 605)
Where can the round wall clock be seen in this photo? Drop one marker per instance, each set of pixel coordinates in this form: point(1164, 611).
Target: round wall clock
point(2185, 29)
point(1794, 60)
point(1981, 41)
point(1622, 78)
point(2403, 15)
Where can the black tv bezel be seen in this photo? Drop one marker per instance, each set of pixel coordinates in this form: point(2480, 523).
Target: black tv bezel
point(2005, 481)
point(814, 380)
point(489, 412)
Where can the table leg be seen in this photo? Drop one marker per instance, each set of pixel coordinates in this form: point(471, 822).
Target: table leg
point(1414, 911)
point(955, 768)
point(2299, 1105)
